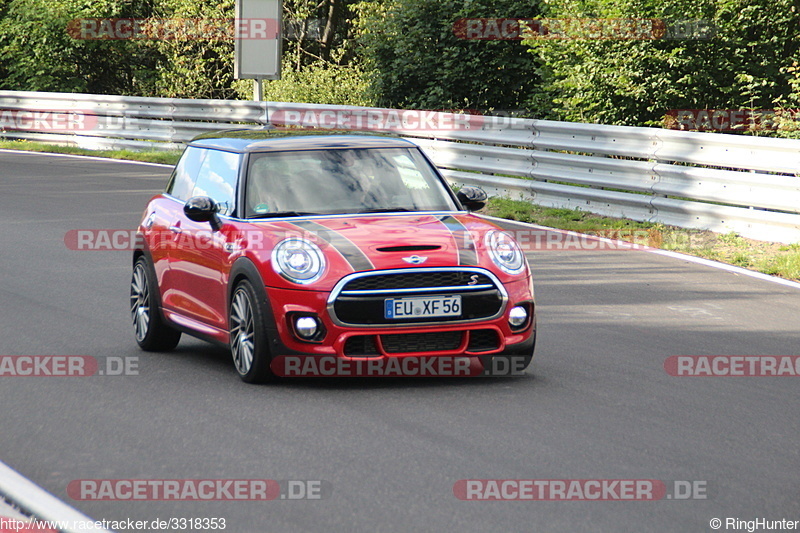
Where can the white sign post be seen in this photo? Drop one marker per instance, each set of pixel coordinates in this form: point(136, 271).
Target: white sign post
point(258, 42)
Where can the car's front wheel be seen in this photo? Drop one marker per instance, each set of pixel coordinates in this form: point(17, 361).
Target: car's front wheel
point(152, 333)
point(248, 338)
point(513, 362)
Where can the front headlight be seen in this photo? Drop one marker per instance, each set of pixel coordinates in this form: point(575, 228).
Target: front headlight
point(298, 260)
point(505, 252)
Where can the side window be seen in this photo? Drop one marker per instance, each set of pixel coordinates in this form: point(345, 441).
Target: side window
point(409, 172)
point(184, 176)
point(217, 179)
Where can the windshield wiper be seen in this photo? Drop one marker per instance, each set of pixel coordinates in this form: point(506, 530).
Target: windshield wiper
point(285, 214)
point(387, 210)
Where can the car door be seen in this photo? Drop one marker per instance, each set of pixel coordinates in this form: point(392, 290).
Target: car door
point(164, 221)
point(201, 259)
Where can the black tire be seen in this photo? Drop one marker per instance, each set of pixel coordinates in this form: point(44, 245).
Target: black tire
point(152, 333)
point(510, 362)
point(248, 335)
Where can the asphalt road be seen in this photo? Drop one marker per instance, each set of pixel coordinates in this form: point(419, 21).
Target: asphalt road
point(597, 403)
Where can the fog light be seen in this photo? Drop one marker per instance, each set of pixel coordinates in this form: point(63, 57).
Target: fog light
point(306, 327)
point(517, 316)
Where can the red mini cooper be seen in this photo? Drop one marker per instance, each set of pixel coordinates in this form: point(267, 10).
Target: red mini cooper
point(339, 245)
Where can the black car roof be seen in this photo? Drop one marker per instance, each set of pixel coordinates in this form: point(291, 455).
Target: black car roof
point(269, 140)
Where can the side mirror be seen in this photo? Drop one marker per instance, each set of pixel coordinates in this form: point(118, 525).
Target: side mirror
point(473, 198)
point(202, 209)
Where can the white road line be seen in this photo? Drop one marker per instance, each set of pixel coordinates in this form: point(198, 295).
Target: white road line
point(668, 253)
point(725, 266)
point(38, 502)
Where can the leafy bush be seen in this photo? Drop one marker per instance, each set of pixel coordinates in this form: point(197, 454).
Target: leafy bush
point(788, 105)
point(318, 83)
point(635, 82)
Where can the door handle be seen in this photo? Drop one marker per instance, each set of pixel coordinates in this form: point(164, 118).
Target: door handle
point(175, 229)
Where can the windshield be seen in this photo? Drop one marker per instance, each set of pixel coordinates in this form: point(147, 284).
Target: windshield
point(343, 181)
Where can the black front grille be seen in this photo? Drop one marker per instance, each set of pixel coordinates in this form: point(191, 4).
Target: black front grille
point(437, 341)
point(361, 346)
point(415, 280)
point(483, 340)
point(480, 297)
point(480, 340)
point(370, 310)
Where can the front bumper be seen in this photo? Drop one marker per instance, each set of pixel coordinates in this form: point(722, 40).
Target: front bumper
point(473, 338)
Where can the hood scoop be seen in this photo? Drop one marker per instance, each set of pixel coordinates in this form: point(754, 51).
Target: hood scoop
point(410, 248)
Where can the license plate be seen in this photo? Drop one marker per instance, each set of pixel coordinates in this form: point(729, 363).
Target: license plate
point(427, 307)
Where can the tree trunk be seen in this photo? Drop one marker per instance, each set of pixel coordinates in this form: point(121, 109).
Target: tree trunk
point(331, 25)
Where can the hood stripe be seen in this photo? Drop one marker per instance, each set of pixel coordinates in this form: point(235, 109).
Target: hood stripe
point(467, 255)
point(351, 253)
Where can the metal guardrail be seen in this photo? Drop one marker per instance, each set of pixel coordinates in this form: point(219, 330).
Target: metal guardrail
point(748, 185)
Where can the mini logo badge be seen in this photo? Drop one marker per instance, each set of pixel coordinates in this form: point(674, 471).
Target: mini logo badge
point(415, 259)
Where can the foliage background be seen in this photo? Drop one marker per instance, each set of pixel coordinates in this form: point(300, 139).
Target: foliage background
point(635, 82)
point(403, 53)
point(415, 60)
point(37, 54)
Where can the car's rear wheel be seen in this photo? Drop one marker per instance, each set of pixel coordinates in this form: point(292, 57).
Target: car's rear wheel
point(152, 333)
point(248, 338)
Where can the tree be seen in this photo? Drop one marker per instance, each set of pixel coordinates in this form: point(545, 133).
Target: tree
point(314, 65)
point(415, 60)
point(321, 32)
point(39, 50)
point(194, 65)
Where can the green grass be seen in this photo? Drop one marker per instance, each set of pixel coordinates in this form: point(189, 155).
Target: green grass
point(568, 219)
point(168, 158)
point(770, 258)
